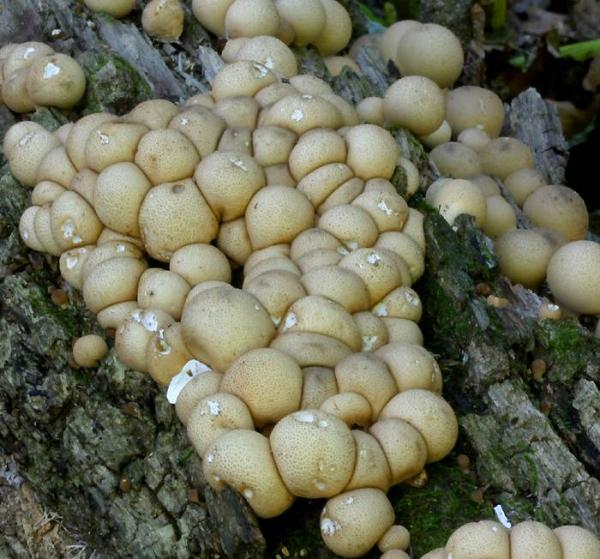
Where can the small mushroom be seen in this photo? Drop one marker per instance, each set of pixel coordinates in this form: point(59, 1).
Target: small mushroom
point(89, 350)
point(470, 106)
point(163, 19)
point(577, 543)
point(470, 539)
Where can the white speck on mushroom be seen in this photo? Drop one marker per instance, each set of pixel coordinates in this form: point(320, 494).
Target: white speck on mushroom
point(343, 251)
point(184, 121)
point(352, 245)
point(320, 485)
point(290, 320)
point(304, 417)
point(349, 500)
point(28, 52)
point(276, 320)
point(210, 458)
point(238, 163)
point(68, 229)
point(553, 307)
point(121, 247)
point(25, 235)
point(262, 70)
point(269, 63)
point(26, 139)
point(381, 310)
point(104, 139)
point(329, 527)
point(163, 343)
point(149, 321)
point(256, 307)
point(191, 369)
point(248, 493)
point(494, 529)
point(373, 258)
point(217, 478)
point(323, 424)
point(71, 262)
point(297, 115)
point(214, 407)
point(385, 208)
point(369, 342)
point(411, 299)
point(501, 516)
point(307, 97)
point(56, 32)
point(50, 70)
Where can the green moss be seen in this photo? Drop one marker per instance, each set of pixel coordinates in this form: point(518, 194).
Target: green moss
point(50, 118)
point(433, 512)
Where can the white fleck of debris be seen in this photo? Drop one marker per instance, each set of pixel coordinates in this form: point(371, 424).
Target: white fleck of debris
point(256, 307)
point(362, 452)
point(381, 310)
point(411, 299)
point(25, 235)
point(214, 407)
point(77, 239)
point(210, 458)
point(373, 258)
point(184, 121)
point(71, 262)
point(290, 320)
point(450, 556)
point(10, 475)
point(320, 485)
point(297, 115)
point(50, 70)
point(352, 245)
point(329, 527)
point(263, 71)
point(349, 500)
point(25, 139)
point(248, 493)
point(28, 52)
point(385, 208)
point(501, 516)
point(104, 139)
point(323, 424)
point(342, 250)
point(238, 163)
point(369, 342)
point(68, 229)
point(304, 417)
point(217, 478)
point(55, 32)
point(191, 369)
point(166, 347)
point(269, 63)
point(121, 247)
point(307, 97)
point(553, 307)
point(276, 320)
point(149, 321)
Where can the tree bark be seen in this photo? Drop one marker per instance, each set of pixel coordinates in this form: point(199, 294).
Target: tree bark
point(95, 462)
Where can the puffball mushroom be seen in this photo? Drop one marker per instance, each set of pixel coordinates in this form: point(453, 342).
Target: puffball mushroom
point(242, 459)
point(470, 106)
point(577, 542)
point(163, 19)
point(197, 388)
point(354, 521)
point(271, 52)
point(112, 142)
point(558, 207)
point(432, 51)
point(28, 152)
point(531, 539)
point(522, 183)
point(456, 160)
point(198, 262)
point(573, 276)
point(499, 217)
point(397, 537)
point(115, 8)
point(503, 156)
point(314, 453)
point(388, 42)
point(339, 285)
point(475, 138)
point(468, 541)
point(163, 290)
point(89, 350)
point(458, 197)
point(352, 408)
point(250, 18)
point(56, 80)
point(337, 31)
point(167, 354)
point(73, 221)
point(306, 17)
point(416, 103)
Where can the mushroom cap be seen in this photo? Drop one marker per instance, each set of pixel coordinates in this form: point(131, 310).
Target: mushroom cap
point(260, 255)
point(79, 134)
point(88, 350)
point(439, 553)
point(416, 103)
point(468, 541)
point(243, 77)
point(395, 554)
point(406, 247)
point(456, 160)
point(577, 543)
point(201, 126)
point(251, 18)
point(106, 251)
point(23, 55)
point(311, 239)
point(272, 145)
point(503, 156)
point(531, 540)
point(272, 93)
point(84, 183)
point(112, 281)
point(310, 349)
point(316, 148)
point(211, 14)
point(499, 217)
point(27, 153)
point(14, 92)
point(195, 222)
point(233, 240)
point(558, 207)
point(373, 331)
point(319, 258)
point(27, 230)
point(113, 315)
point(199, 387)
point(342, 195)
point(163, 19)
point(239, 113)
point(404, 447)
point(522, 183)
point(475, 138)
point(414, 227)
point(154, 113)
point(401, 303)
point(352, 408)
point(134, 334)
point(314, 452)
point(397, 537)
point(271, 52)
point(353, 522)
point(458, 197)
point(167, 354)
point(301, 113)
point(430, 50)
point(440, 136)
point(281, 263)
point(523, 256)
point(73, 221)
point(57, 167)
point(277, 214)
point(372, 151)
point(279, 175)
point(431, 415)
point(115, 8)
point(118, 195)
point(389, 211)
point(307, 18)
point(367, 375)
point(337, 64)
point(371, 468)
point(318, 384)
point(112, 142)
point(370, 110)
point(573, 276)
point(213, 416)
point(336, 34)
point(56, 80)
point(199, 262)
point(404, 331)
point(42, 229)
point(268, 381)
point(388, 41)
point(338, 284)
point(352, 225)
point(180, 163)
point(16, 132)
point(71, 264)
point(163, 290)
point(470, 106)
point(487, 185)
point(242, 459)
point(223, 323)
point(228, 180)
point(319, 315)
point(308, 84)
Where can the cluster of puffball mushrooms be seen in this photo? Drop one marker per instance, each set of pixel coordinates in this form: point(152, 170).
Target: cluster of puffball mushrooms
point(33, 75)
point(311, 380)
